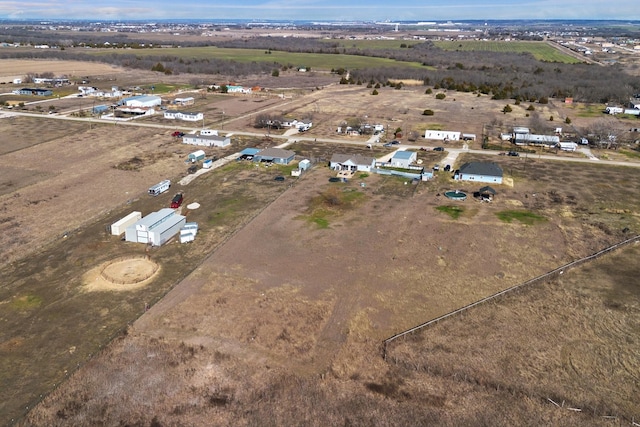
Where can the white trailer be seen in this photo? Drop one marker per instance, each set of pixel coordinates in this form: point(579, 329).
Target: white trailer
point(568, 146)
point(119, 227)
point(160, 187)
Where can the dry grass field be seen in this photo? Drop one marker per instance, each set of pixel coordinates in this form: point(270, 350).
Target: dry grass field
point(276, 313)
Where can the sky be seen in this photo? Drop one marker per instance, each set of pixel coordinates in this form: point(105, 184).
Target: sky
point(335, 10)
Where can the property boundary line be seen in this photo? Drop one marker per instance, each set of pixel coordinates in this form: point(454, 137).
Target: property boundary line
point(548, 275)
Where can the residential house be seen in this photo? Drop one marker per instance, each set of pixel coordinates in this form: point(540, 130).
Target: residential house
point(180, 115)
point(206, 140)
point(352, 162)
point(274, 155)
point(442, 135)
point(480, 172)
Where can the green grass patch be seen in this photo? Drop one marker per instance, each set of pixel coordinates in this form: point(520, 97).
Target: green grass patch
point(370, 44)
point(525, 217)
point(453, 211)
point(589, 110)
point(331, 203)
point(363, 175)
point(434, 126)
point(542, 51)
point(26, 302)
point(630, 153)
point(317, 61)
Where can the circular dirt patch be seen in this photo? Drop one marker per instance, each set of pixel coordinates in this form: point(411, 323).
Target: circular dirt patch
point(121, 274)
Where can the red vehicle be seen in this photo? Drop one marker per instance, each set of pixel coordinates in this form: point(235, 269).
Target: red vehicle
point(176, 202)
point(178, 134)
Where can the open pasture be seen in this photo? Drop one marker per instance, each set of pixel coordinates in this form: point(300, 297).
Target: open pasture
point(540, 50)
point(314, 61)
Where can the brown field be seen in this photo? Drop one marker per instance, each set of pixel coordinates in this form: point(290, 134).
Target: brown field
point(18, 68)
point(276, 313)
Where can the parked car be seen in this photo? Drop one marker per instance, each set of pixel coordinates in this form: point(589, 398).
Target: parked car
point(334, 179)
point(176, 202)
point(394, 142)
point(436, 168)
point(388, 144)
point(279, 178)
point(514, 153)
point(447, 168)
point(438, 149)
point(177, 134)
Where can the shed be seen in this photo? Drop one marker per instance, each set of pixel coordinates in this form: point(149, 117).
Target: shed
point(403, 159)
point(155, 228)
point(480, 172)
point(304, 164)
point(119, 227)
point(196, 156)
point(486, 192)
point(275, 155)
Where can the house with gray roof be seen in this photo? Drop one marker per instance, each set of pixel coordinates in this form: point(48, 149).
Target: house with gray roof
point(352, 162)
point(275, 155)
point(480, 172)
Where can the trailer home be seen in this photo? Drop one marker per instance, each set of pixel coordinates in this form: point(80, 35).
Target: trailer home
point(160, 188)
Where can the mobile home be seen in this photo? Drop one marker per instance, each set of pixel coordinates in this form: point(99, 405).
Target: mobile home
point(160, 188)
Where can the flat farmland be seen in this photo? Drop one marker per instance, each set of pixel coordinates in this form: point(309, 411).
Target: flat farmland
point(540, 50)
point(276, 313)
point(292, 312)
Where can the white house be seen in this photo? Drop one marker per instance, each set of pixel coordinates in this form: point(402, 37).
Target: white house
point(206, 140)
point(442, 135)
point(352, 162)
point(186, 116)
point(533, 139)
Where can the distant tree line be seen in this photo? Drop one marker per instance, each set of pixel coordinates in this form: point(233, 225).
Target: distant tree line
point(501, 75)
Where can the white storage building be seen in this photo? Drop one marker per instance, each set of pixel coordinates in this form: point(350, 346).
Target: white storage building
point(156, 228)
point(119, 227)
point(142, 101)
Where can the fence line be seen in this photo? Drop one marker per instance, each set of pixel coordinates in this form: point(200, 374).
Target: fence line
point(550, 274)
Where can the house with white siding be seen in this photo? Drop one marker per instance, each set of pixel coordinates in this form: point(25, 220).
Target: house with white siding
point(442, 135)
point(180, 115)
point(352, 162)
point(206, 140)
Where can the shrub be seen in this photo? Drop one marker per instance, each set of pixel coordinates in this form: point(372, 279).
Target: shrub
point(428, 91)
point(427, 113)
point(550, 118)
point(275, 73)
point(375, 92)
point(507, 109)
point(567, 121)
point(531, 108)
point(440, 95)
